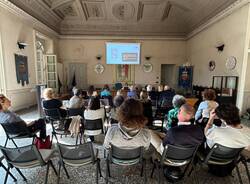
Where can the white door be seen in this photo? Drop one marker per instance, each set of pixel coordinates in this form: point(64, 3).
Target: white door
point(51, 70)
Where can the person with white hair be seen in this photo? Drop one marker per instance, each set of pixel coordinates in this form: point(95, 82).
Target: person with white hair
point(177, 102)
point(149, 88)
point(76, 101)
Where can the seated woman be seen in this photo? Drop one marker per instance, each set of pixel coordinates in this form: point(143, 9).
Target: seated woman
point(105, 91)
point(76, 101)
point(118, 100)
point(130, 132)
point(230, 134)
point(94, 111)
point(19, 125)
point(206, 106)
point(132, 93)
point(50, 102)
point(177, 102)
point(147, 106)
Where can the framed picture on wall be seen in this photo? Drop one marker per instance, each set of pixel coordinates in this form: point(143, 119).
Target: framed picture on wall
point(22, 74)
point(185, 76)
point(124, 73)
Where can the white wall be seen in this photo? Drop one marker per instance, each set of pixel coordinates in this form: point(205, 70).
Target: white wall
point(12, 30)
point(202, 48)
point(85, 51)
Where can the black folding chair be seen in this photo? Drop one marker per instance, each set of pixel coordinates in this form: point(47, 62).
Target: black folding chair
point(76, 156)
point(54, 117)
point(27, 157)
point(177, 157)
point(125, 157)
point(93, 127)
point(245, 161)
point(10, 135)
point(222, 156)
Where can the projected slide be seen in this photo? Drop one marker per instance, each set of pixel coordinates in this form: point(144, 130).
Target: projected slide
point(122, 53)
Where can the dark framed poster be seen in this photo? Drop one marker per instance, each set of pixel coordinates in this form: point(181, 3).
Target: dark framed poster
point(22, 74)
point(185, 76)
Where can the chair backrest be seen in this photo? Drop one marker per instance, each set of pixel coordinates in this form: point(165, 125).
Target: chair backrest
point(75, 111)
point(125, 156)
point(221, 154)
point(108, 101)
point(95, 124)
point(53, 114)
point(178, 154)
point(15, 128)
point(83, 151)
point(105, 101)
point(22, 155)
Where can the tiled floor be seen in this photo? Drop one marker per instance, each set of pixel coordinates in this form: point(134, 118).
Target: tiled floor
point(119, 175)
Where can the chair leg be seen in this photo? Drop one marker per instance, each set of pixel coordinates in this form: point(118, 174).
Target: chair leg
point(99, 167)
point(142, 167)
point(247, 170)
point(238, 173)
point(67, 174)
point(77, 135)
point(24, 178)
point(7, 174)
point(59, 172)
point(47, 173)
point(53, 167)
point(107, 171)
point(159, 173)
point(153, 169)
point(96, 174)
point(3, 166)
point(6, 141)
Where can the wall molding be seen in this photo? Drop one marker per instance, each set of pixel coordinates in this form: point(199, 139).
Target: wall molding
point(18, 91)
point(226, 12)
point(23, 15)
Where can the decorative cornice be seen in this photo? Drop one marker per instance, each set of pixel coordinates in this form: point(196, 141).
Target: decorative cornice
point(22, 14)
point(226, 12)
point(82, 37)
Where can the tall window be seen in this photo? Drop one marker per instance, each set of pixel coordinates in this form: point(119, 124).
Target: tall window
point(40, 65)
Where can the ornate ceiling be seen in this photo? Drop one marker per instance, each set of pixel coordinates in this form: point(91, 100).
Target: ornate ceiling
point(123, 17)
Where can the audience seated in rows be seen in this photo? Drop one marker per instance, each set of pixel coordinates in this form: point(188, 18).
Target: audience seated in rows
point(76, 101)
point(19, 125)
point(130, 132)
point(152, 93)
point(207, 105)
point(177, 102)
point(147, 107)
point(185, 134)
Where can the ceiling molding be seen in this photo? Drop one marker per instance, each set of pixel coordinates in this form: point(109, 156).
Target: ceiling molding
point(82, 37)
point(226, 12)
point(23, 15)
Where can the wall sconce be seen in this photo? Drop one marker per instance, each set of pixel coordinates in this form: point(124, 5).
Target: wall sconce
point(147, 57)
point(21, 45)
point(99, 57)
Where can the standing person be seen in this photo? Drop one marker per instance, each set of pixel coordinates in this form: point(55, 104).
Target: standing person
point(94, 111)
point(17, 124)
point(205, 107)
point(130, 132)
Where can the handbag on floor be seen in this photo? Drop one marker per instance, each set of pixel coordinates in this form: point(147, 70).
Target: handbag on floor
point(43, 144)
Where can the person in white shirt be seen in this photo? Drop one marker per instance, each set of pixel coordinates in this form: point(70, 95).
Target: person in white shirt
point(231, 133)
point(94, 111)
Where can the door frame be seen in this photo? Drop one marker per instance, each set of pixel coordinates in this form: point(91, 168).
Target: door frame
point(2, 69)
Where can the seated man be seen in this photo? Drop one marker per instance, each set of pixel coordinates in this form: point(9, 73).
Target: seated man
point(76, 101)
point(185, 134)
point(19, 125)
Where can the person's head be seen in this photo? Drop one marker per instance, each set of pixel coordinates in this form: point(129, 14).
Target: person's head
point(209, 94)
point(118, 100)
point(130, 114)
point(153, 88)
point(166, 87)
point(5, 103)
point(132, 88)
point(90, 90)
point(186, 113)
point(160, 88)
point(178, 101)
point(48, 93)
point(149, 88)
point(106, 87)
point(94, 103)
point(143, 95)
point(77, 92)
point(229, 113)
